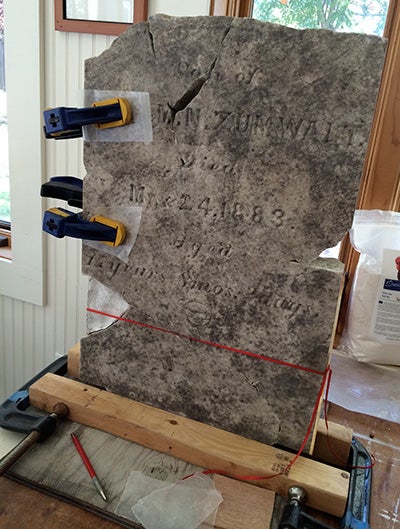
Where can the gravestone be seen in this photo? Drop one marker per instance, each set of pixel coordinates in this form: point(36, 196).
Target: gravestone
point(259, 138)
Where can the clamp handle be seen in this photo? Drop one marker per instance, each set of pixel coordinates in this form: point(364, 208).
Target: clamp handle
point(61, 222)
point(13, 411)
point(68, 188)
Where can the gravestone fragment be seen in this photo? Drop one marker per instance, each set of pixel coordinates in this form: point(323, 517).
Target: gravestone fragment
point(259, 138)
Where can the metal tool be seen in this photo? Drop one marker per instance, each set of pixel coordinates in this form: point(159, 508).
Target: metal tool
point(61, 222)
point(15, 416)
point(68, 188)
point(358, 502)
point(67, 122)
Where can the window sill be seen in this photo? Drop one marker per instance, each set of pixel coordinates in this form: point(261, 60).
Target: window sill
point(5, 251)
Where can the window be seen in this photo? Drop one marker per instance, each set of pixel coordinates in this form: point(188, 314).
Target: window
point(106, 17)
point(4, 175)
point(359, 16)
point(21, 277)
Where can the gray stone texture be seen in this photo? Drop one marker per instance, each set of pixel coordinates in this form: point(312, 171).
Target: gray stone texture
point(260, 134)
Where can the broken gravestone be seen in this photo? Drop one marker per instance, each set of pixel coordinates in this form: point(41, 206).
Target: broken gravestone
point(259, 138)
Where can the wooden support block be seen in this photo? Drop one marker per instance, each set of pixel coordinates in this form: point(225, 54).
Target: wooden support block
point(195, 442)
point(74, 361)
point(332, 445)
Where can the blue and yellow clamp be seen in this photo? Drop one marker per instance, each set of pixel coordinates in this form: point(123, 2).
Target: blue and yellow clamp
point(61, 222)
point(67, 122)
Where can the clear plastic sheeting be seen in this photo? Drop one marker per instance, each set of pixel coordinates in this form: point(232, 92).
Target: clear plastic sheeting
point(186, 504)
point(369, 389)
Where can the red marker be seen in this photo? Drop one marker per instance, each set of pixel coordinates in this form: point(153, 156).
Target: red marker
point(88, 466)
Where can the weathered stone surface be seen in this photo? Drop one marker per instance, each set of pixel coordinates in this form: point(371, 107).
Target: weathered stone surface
point(260, 134)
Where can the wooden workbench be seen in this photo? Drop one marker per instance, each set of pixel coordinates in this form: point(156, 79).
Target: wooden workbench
point(22, 507)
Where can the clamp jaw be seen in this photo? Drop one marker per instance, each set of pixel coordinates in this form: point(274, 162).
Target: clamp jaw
point(67, 122)
point(357, 511)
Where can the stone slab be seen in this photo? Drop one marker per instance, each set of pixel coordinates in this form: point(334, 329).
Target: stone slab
point(259, 138)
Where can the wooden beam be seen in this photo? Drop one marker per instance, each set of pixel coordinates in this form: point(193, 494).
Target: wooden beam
point(195, 442)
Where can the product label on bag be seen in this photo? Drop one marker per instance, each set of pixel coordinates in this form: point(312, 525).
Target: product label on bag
point(386, 318)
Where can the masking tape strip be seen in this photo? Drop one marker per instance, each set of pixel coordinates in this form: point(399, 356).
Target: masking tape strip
point(140, 130)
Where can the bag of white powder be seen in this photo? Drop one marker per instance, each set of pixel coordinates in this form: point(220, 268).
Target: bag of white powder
point(372, 330)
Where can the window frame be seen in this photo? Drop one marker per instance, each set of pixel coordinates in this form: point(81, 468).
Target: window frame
point(22, 276)
point(62, 23)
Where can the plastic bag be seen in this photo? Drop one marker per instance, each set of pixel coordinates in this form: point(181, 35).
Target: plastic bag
point(369, 389)
point(186, 504)
point(182, 505)
point(372, 330)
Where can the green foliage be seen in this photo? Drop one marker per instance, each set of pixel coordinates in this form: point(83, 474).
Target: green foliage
point(5, 205)
point(329, 14)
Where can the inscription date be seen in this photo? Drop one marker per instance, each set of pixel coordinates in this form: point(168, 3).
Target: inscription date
point(210, 207)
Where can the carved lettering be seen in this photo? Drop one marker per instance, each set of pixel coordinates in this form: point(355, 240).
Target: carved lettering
point(275, 122)
point(212, 207)
point(143, 272)
point(195, 250)
point(192, 283)
point(137, 194)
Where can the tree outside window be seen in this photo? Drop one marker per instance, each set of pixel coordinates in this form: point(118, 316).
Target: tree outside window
point(360, 16)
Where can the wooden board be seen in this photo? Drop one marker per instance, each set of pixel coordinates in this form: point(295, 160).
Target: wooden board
point(332, 444)
point(197, 443)
point(55, 467)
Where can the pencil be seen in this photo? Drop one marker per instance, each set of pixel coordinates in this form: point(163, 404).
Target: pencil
point(88, 466)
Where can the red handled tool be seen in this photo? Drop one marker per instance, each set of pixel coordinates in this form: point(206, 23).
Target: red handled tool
point(88, 466)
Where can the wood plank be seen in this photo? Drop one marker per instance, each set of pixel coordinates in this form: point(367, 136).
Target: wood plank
point(339, 435)
point(332, 445)
point(74, 361)
point(197, 443)
point(245, 506)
